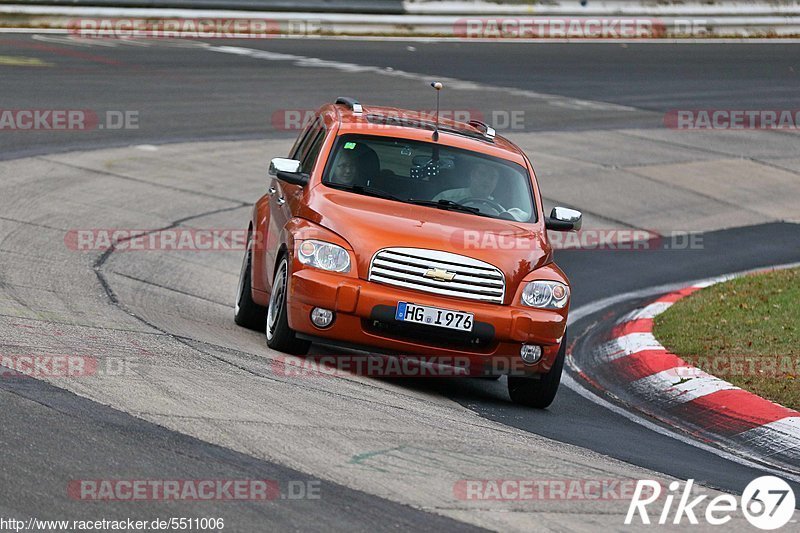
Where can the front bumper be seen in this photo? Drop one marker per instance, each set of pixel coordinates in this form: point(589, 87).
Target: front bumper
point(365, 319)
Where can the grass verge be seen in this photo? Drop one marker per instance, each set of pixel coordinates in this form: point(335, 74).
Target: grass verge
point(745, 331)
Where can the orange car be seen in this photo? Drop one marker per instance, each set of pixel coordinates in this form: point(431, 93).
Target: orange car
point(388, 231)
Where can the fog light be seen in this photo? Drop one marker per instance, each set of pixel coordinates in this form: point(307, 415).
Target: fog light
point(321, 318)
point(530, 353)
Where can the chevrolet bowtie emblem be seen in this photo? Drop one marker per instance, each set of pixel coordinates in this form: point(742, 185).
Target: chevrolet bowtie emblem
point(439, 274)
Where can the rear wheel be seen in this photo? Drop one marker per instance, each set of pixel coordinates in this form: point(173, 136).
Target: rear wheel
point(539, 392)
point(279, 335)
point(246, 312)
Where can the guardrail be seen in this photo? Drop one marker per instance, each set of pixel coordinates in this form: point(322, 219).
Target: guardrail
point(479, 19)
point(680, 8)
point(307, 6)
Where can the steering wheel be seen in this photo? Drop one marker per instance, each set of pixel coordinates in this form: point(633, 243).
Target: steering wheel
point(491, 203)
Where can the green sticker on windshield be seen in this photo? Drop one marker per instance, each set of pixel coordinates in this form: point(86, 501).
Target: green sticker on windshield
point(349, 146)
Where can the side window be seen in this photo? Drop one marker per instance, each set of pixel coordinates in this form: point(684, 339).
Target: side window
point(310, 158)
point(302, 141)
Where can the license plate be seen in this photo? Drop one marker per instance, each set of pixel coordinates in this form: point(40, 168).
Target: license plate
point(434, 316)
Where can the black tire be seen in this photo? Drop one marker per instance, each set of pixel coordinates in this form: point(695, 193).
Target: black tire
point(246, 312)
point(541, 392)
point(279, 335)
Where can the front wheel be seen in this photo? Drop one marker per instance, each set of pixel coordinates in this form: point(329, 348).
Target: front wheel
point(541, 392)
point(279, 335)
point(246, 312)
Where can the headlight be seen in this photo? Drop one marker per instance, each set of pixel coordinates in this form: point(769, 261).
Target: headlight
point(324, 255)
point(545, 294)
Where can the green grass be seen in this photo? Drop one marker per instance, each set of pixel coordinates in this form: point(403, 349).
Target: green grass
point(745, 331)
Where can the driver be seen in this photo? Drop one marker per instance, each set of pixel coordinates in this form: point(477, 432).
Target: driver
point(346, 170)
point(482, 182)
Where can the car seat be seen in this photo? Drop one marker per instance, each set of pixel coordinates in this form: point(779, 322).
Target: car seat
point(369, 165)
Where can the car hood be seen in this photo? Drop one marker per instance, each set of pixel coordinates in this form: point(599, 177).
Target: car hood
point(370, 224)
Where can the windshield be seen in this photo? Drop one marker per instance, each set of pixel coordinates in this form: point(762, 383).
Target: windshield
point(431, 174)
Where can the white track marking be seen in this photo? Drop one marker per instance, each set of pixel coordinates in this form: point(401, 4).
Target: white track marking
point(764, 436)
point(650, 311)
point(453, 83)
point(675, 387)
point(72, 41)
point(630, 344)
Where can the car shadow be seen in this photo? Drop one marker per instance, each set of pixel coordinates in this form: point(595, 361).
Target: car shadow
point(461, 389)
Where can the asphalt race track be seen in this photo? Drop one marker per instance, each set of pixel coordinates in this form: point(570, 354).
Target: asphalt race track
point(215, 394)
point(186, 95)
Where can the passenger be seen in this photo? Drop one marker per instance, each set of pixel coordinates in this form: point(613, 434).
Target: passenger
point(482, 182)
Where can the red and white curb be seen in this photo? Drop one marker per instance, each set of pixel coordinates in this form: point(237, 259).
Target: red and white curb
point(672, 389)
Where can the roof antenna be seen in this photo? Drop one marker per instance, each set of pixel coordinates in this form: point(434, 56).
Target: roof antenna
point(438, 86)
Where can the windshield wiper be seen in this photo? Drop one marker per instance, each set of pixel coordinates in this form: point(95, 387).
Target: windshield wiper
point(368, 191)
point(449, 205)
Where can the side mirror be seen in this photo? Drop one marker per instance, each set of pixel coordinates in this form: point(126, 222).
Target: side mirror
point(287, 170)
point(564, 219)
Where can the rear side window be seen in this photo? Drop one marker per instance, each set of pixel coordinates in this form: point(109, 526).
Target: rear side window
point(310, 157)
point(301, 145)
point(298, 143)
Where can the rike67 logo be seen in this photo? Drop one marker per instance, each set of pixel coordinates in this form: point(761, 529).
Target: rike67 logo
point(767, 502)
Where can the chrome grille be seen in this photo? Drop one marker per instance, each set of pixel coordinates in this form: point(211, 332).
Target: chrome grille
point(407, 267)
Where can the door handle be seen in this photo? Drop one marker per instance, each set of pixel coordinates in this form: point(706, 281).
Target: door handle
point(272, 190)
point(281, 200)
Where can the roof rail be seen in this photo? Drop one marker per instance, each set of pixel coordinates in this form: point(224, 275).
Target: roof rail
point(486, 129)
point(352, 103)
